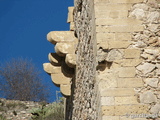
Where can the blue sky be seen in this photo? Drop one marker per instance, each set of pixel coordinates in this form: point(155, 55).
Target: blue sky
point(24, 25)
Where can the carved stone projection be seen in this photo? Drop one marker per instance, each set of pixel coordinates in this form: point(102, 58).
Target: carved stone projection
point(63, 62)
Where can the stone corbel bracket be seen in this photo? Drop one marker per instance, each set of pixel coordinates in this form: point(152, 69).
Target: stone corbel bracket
point(63, 62)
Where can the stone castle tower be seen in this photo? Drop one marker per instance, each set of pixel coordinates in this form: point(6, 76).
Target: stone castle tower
point(108, 64)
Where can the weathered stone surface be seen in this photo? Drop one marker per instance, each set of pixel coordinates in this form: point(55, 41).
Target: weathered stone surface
point(65, 89)
point(131, 109)
point(65, 48)
point(108, 110)
point(101, 55)
point(131, 62)
point(154, 52)
point(122, 110)
point(118, 44)
point(140, 44)
point(146, 68)
point(61, 36)
point(132, 53)
point(66, 70)
point(110, 117)
point(49, 68)
point(107, 101)
point(133, 116)
point(128, 21)
point(70, 14)
point(59, 79)
point(126, 1)
point(110, 92)
point(141, 6)
point(105, 37)
point(138, 13)
point(114, 55)
point(72, 26)
point(148, 97)
point(121, 28)
point(130, 82)
point(123, 36)
point(127, 72)
point(153, 17)
point(55, 59)
point(112, 7)
point(126, 32)
point(107, 80)
point(71, 60)
point(155, 109)
point(126, 100)
point(113, 14)
point(153, 82)
point(104, 45)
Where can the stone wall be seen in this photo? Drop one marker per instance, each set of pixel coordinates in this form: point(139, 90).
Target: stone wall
point(85, 91)
point(128, 42)
point(108, 64)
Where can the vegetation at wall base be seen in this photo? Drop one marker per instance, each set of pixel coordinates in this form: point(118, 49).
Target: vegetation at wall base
point(51, 111)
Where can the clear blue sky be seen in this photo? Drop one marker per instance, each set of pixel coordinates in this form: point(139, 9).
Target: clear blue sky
point(24, 25)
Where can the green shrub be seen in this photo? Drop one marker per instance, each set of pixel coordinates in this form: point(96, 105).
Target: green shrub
point(2, 117)
point(51, 111)
point(15, 105)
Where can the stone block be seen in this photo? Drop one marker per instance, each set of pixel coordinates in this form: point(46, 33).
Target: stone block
point(131, 109)
point(118, 22)
point(112, 92)
point(155, 109)
point(49, 68)
point(148, 97)
point(126, 1)
point(135, 28)
point(99, 1)
point(70, 14)
point(123, 110)
point(103, 7)
point(103, 45)
point(153, 82)
point(104, 37)
point(113, 14)
point(118, 44)
point(133, 117)
point(130, 82)
point(55, 59)
point(123, 36)
point(110, 117)
point(107, 100)
point(111, 83)
point(71, 60)
point(114, 55)
point(71, 26)
point(132, 53)
point(146, 67)
point(126, 100)
point(65, 89)
point(59, 79)
point(108, 110)
point(64, 48)
point(127, 72)
point(100, 28)
point(131, 62)
point(61, 36)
